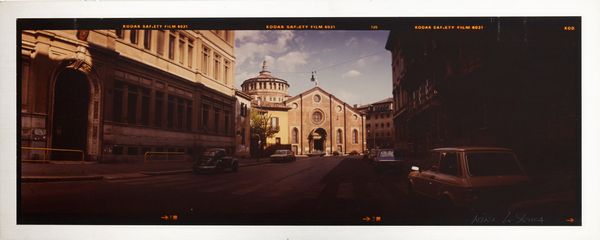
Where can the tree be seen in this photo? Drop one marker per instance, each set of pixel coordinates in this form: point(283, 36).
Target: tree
point(260, 126)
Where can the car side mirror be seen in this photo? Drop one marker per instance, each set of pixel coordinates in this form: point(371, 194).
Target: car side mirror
point(414, 168)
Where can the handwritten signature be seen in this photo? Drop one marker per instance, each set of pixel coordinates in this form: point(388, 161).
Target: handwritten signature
point(508, 218)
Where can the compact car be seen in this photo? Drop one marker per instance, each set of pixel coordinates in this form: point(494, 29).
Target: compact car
point(283, 155)
point(215, 160)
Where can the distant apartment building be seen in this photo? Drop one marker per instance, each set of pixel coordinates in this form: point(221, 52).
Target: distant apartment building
point(379, 123)
point(117, 94)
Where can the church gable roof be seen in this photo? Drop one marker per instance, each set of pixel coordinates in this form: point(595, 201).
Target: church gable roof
point(318, 89)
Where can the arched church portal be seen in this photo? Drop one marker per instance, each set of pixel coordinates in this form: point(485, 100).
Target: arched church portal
point(317, 139)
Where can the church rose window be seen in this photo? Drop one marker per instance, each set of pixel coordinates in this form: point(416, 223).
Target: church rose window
point(317, 117)
point(317, 98)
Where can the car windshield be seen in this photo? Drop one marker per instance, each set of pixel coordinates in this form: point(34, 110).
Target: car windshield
point(386, 154)
point(281, 152)
point(492, 164)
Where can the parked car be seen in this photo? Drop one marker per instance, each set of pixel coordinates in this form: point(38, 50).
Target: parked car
point(215, 159)
point(473, 178)
point(283, 155)
point(370, 155)
point(388, 158)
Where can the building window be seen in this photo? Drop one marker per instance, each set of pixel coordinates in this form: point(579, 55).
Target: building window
point(355, 136)
point(145, 106)
point(171, 47)
point(205, 109)
point(317, 117)
point(244, 110)
point(227, 36)
point(226, 72)
point(120, 34)
point(317, 98)
point(243, 135)
point(117, 150)
point(181, 48)
point(274, 123)
point(158, 109)
point(180, 114)
point(133, 36)
point(118, 102)
point(226, 122)
point(132, 151)
point(147, 39)
point(190, 53)
point(217, 119)
point(205, 59)
point(188, 115)
point(160, 43)
point(216, 67)
point(339, 136)
point(294, 135)
point(132, 98)
point(170, 111)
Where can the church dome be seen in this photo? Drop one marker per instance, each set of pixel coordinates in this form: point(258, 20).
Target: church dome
point(266, 88)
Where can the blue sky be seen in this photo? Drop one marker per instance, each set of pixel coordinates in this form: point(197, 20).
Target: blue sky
point(337, 56)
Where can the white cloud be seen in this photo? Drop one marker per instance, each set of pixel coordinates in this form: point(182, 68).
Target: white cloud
point(346, 96)
point(241, 76)
point(290, 61)
point(351, 74)
point(371, 41)
point(254, 36)
point(258, 44)
point(368, 60)
point(351, 42)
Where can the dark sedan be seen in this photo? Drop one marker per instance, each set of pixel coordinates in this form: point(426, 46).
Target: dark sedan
point(215, 159)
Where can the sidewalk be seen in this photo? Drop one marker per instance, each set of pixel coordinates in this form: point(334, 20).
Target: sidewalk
point(78, 171)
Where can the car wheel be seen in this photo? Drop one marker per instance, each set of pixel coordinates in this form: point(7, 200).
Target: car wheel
point(235, 167)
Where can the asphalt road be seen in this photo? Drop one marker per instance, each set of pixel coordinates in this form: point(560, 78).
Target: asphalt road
point(313, 191)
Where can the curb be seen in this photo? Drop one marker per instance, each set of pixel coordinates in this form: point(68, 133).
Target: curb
point(60, 178)
point(117, 176)
point(124, 176)
point(165, 172)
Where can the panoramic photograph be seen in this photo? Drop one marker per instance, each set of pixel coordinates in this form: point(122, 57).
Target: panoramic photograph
point(300, 121)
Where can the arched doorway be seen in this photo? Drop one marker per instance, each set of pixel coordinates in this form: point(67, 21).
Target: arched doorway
point(317, 139)
point(70, 114)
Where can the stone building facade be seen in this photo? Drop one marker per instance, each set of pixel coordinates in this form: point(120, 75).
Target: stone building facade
point(318, 121)
point(117, 94)
point(515, 85)
point(379, 123)
point(312, 121)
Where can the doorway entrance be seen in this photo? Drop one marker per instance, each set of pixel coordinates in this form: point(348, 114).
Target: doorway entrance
point(70, 115)
point(317, 139)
